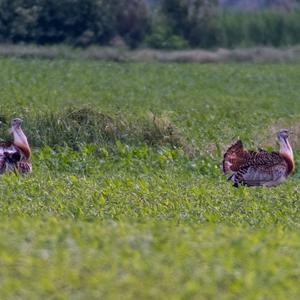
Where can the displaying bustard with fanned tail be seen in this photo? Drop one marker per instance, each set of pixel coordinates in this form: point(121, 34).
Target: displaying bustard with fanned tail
point(254, 168)
point(14, 155)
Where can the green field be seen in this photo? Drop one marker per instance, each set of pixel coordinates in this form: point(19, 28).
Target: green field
point(126, 199)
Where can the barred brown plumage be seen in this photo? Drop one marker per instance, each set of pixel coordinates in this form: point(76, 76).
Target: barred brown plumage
point(14, 155)
point(254, 168)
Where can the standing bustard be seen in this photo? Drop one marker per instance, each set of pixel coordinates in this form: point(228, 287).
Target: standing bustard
point(253, 168)
point(14, 155)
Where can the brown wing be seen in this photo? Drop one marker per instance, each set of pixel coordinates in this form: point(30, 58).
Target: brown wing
point(12, 158)
point(24, 166)
point(234, 158)
point(6, 149)
point(262, 168)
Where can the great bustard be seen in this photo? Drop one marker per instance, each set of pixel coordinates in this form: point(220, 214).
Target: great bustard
point(14, 155)
point(253, 168)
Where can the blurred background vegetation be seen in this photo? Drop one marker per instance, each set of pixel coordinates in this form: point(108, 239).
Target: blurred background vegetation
point(164, 24)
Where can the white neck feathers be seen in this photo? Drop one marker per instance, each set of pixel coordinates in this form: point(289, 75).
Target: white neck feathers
point(20, 140)
point(285, 148)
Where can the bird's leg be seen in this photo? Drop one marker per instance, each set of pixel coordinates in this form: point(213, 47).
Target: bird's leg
point(230, 177)
point(2, 166)
point(235, 180)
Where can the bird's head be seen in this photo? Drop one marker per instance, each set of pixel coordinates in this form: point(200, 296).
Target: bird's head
point(283, 134)
point(16, 123)
point(285, 147)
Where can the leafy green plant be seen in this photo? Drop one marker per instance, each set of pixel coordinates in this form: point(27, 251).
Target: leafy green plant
point(108, 210)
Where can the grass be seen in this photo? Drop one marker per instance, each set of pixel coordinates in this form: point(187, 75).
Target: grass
point(116, 260)
point(126, 199)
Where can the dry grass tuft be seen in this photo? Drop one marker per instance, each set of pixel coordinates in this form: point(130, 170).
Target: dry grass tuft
point(270, 137)
point(257, 54)
point(159, 130)
point(74, 127)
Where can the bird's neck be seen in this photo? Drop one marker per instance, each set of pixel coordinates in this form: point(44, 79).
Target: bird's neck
point(285, 147)
point(287, 152)
point(20, 140)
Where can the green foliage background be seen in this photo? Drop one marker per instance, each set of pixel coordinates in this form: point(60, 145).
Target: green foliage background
point(171, 24)
point(108, 212)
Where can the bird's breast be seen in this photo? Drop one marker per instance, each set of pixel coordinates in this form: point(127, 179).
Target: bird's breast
point(289, 161)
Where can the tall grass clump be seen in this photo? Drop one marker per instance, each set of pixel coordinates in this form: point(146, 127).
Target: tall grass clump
point(75, 127)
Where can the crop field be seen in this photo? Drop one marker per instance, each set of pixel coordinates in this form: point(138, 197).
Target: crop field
point(126, 199)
